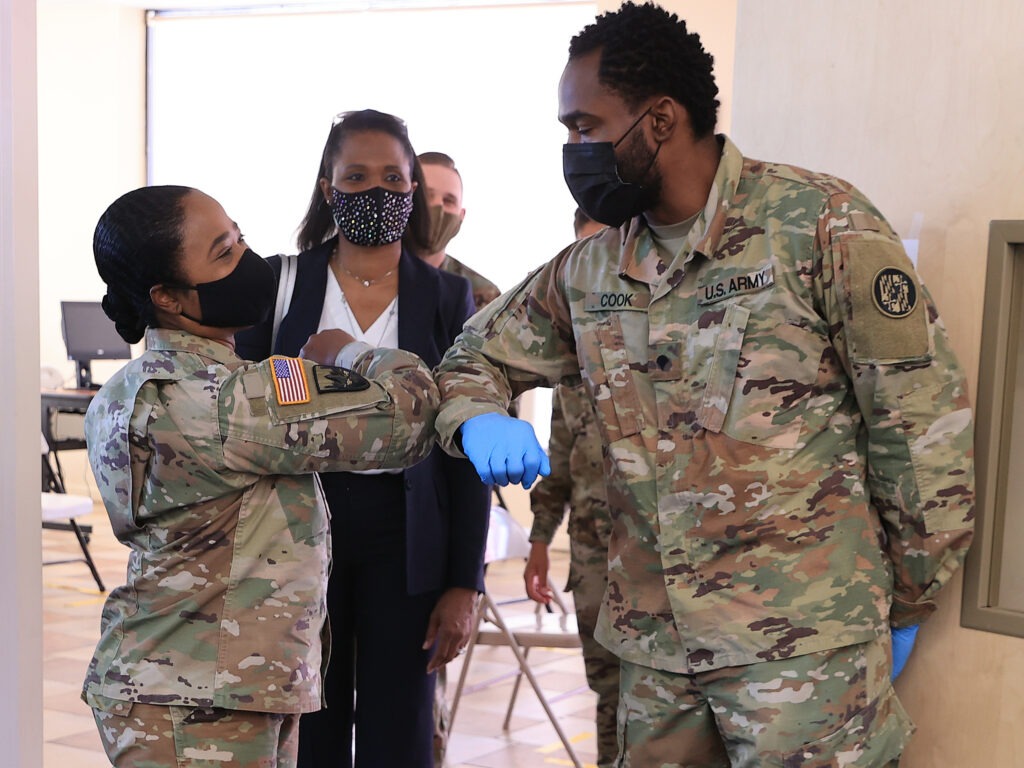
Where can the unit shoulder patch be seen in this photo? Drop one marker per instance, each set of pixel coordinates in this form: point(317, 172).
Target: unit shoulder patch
point(331, 378)
point(893, 292)
point(884, 323)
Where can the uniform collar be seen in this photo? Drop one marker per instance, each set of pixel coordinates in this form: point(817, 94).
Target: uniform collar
point(711, 223)
point(640, 259)
point(163, 339)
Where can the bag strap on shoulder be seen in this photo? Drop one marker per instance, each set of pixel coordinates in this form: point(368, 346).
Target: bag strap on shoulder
point(285, 287)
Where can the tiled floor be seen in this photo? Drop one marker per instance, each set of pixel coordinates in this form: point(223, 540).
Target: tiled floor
point(71, 611)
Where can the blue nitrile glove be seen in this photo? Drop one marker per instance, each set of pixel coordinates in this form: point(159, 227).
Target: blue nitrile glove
point(902, 644)
point(503, 450)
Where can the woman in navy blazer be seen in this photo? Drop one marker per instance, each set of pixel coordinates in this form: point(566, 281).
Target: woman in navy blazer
point(408, 547)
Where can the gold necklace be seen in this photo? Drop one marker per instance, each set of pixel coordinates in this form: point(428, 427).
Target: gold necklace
point(366, 283)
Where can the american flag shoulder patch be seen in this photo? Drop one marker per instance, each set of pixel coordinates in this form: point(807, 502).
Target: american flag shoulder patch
point(289, 380)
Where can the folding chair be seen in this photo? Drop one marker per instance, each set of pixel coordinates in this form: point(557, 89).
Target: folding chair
point(59, 510)
point(506, 540)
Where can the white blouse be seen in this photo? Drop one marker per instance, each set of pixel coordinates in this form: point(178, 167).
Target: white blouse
point(383, 332)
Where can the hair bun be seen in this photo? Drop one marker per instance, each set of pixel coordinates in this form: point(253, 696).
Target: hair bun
point(128, 322)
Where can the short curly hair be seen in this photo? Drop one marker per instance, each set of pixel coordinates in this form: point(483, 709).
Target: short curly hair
point(647, 51)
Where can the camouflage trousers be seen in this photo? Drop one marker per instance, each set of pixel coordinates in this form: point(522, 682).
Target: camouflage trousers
point(832, 709)
point(154, 736)
point(588, 578)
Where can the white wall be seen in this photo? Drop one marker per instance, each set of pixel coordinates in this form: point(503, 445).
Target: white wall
point(91, 150)
point(20, 598)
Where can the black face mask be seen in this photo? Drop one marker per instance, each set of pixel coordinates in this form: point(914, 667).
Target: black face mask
point(591, 172)
point(244, 297)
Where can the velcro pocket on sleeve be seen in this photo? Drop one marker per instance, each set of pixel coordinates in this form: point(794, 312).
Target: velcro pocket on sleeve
point(327, 405)
point(255, 392)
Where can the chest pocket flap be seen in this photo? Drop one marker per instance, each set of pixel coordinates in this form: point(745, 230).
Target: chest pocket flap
point(722, 376)
point(606, 363)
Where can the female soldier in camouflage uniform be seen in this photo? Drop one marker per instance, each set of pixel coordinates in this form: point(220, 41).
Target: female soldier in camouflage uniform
point(205, 463)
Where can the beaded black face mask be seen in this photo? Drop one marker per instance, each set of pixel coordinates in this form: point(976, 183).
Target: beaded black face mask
point(372, 217)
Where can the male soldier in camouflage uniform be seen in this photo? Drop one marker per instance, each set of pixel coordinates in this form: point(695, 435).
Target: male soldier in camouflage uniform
point(788, 440)
point(205, 463)
point(577, 480)
point(444, 194)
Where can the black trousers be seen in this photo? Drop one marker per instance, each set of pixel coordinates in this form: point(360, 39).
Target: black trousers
point(376, 681)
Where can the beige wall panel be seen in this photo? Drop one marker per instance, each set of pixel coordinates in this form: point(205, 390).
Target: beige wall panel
point(917, 104)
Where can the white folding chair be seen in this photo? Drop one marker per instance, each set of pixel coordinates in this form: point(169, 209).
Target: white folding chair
point(506, 540)
point(59, 510)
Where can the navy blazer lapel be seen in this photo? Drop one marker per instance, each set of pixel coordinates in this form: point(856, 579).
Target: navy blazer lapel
point(418, 286)
point(303, 316)
point(418, 282)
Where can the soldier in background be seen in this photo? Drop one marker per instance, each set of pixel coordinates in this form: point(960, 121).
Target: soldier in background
point(788, 439)
point(205, 465)
point(577, 481)
point(444, 195)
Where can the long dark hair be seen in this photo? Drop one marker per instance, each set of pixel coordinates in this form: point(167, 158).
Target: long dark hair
point(318, 223)
point(137, 244)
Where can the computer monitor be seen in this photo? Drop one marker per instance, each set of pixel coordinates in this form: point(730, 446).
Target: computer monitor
point(90, 335)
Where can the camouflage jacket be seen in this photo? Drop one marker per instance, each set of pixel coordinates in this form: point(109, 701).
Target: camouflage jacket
point(484, 291)
point(577, 474)
point(788, 435)
point(209, 482)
